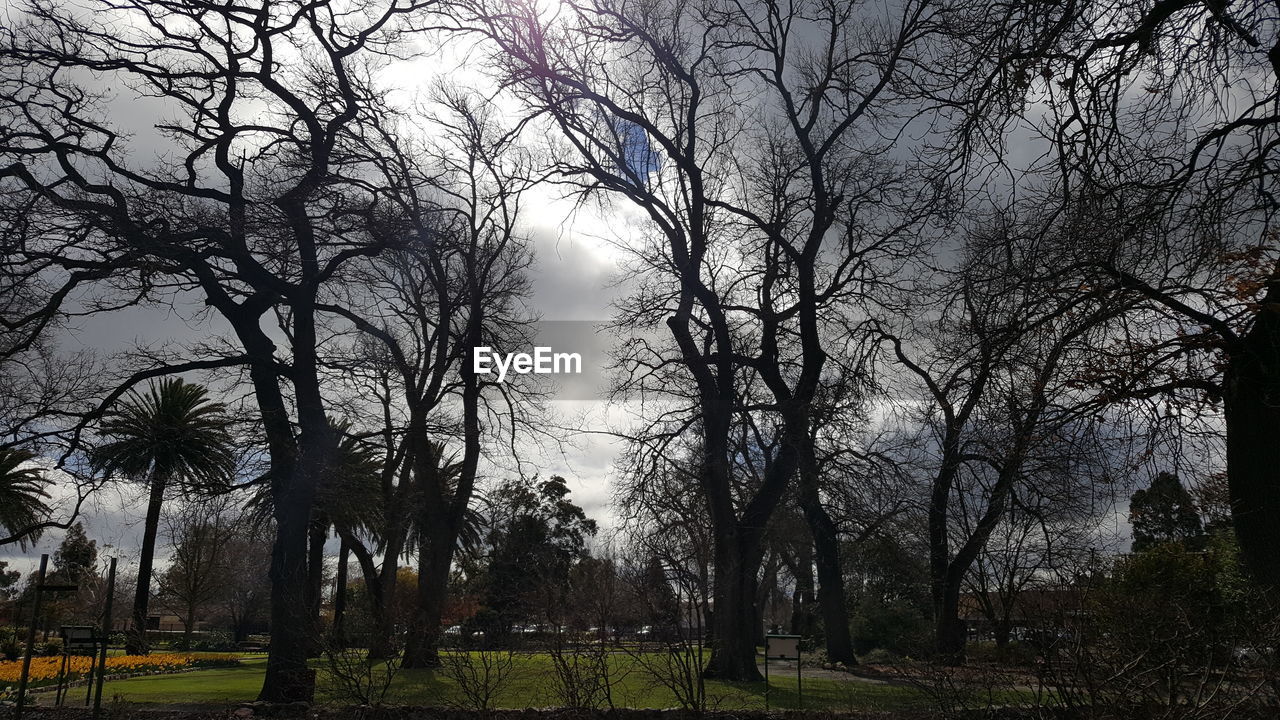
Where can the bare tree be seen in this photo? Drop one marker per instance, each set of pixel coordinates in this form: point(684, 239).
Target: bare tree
point(261, 196)
point(416, 313)
point(1002, 381)
point(735, 131)
point(1162, 118)
point(200, 565)
point(246, 596)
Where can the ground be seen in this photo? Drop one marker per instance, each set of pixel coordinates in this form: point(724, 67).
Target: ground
point(531, 685)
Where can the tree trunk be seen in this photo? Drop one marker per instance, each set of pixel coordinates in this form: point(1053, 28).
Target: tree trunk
point(188, 625)
point(1251, 400)
point(340, 596)
point(136, 640)
point(803, 600)
point(831, 598)
point(422, 648)
point(317, 533)
point(826, 544)
point(950, 631)
point(1001, 631)
point(733, 655)
point(287, 678)
point(291, 628)
point(441, 517)
point(764, 593)
point(383, 643)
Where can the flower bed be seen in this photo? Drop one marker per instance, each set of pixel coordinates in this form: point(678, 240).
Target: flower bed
point(44, 670)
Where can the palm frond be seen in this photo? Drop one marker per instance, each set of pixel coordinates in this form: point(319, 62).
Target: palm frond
point(172, 432)
point(22, 492)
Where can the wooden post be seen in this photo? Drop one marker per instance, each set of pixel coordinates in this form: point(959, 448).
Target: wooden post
point(31, 639)
point(106, 637)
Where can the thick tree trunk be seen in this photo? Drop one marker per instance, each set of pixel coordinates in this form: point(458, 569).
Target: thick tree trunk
point(382, 644)
point(826, 544)
point(136, 641)
point(950, 633)
point(1251, 400)
point(733, 655)
point(831, 598)
point(422, 648)
point(288, 679)
point(317, 534)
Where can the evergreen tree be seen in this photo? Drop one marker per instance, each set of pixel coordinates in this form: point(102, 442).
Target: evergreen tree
point(537, 536)
point(1163, 513)
point(662, 606)
point(8, 581)
point(77, 556)
point(172, 434)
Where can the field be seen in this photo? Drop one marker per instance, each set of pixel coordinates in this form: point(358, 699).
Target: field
point(530, 685)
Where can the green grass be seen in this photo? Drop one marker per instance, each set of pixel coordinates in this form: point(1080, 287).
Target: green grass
point(217, 686)
point(530, 685)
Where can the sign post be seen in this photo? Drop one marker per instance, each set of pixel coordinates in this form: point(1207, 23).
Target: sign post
point(782, 647)
point(31, 638)
point(106, 635)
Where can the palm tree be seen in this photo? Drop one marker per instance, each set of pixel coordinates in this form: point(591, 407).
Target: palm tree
point(22, 494)
point(445, 523)
point(172, 434)
point(346, 499)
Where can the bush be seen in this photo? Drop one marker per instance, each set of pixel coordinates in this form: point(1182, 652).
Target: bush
point(582, 677)
point(9, 647)
point(200, 641)
point(1014, 653)
point(1162, 636)
point(51, 648)
point(480, 675)
point(880, 656)
point(352, 677)
point(216, 641)
point(898, 627)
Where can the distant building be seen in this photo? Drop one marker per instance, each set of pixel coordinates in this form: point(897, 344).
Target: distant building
point(1034, 610)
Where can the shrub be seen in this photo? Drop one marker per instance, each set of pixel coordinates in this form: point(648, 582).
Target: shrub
point(880, 656)
point(10, 649)
point(480, 674)
point(899, 627)
point(215, 642)
point(582, 677)
point(352, 677)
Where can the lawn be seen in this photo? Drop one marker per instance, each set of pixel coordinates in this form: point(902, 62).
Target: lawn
point(530, 685)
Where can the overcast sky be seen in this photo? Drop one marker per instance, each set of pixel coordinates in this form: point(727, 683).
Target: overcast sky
point(575, 278)
point(572, 280)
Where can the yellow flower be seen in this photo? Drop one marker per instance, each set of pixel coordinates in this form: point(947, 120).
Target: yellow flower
point(45, 670)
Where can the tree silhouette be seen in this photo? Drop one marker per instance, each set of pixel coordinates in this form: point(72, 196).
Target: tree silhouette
point(173, 433)
point(1165, 512)
point(77, 556)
